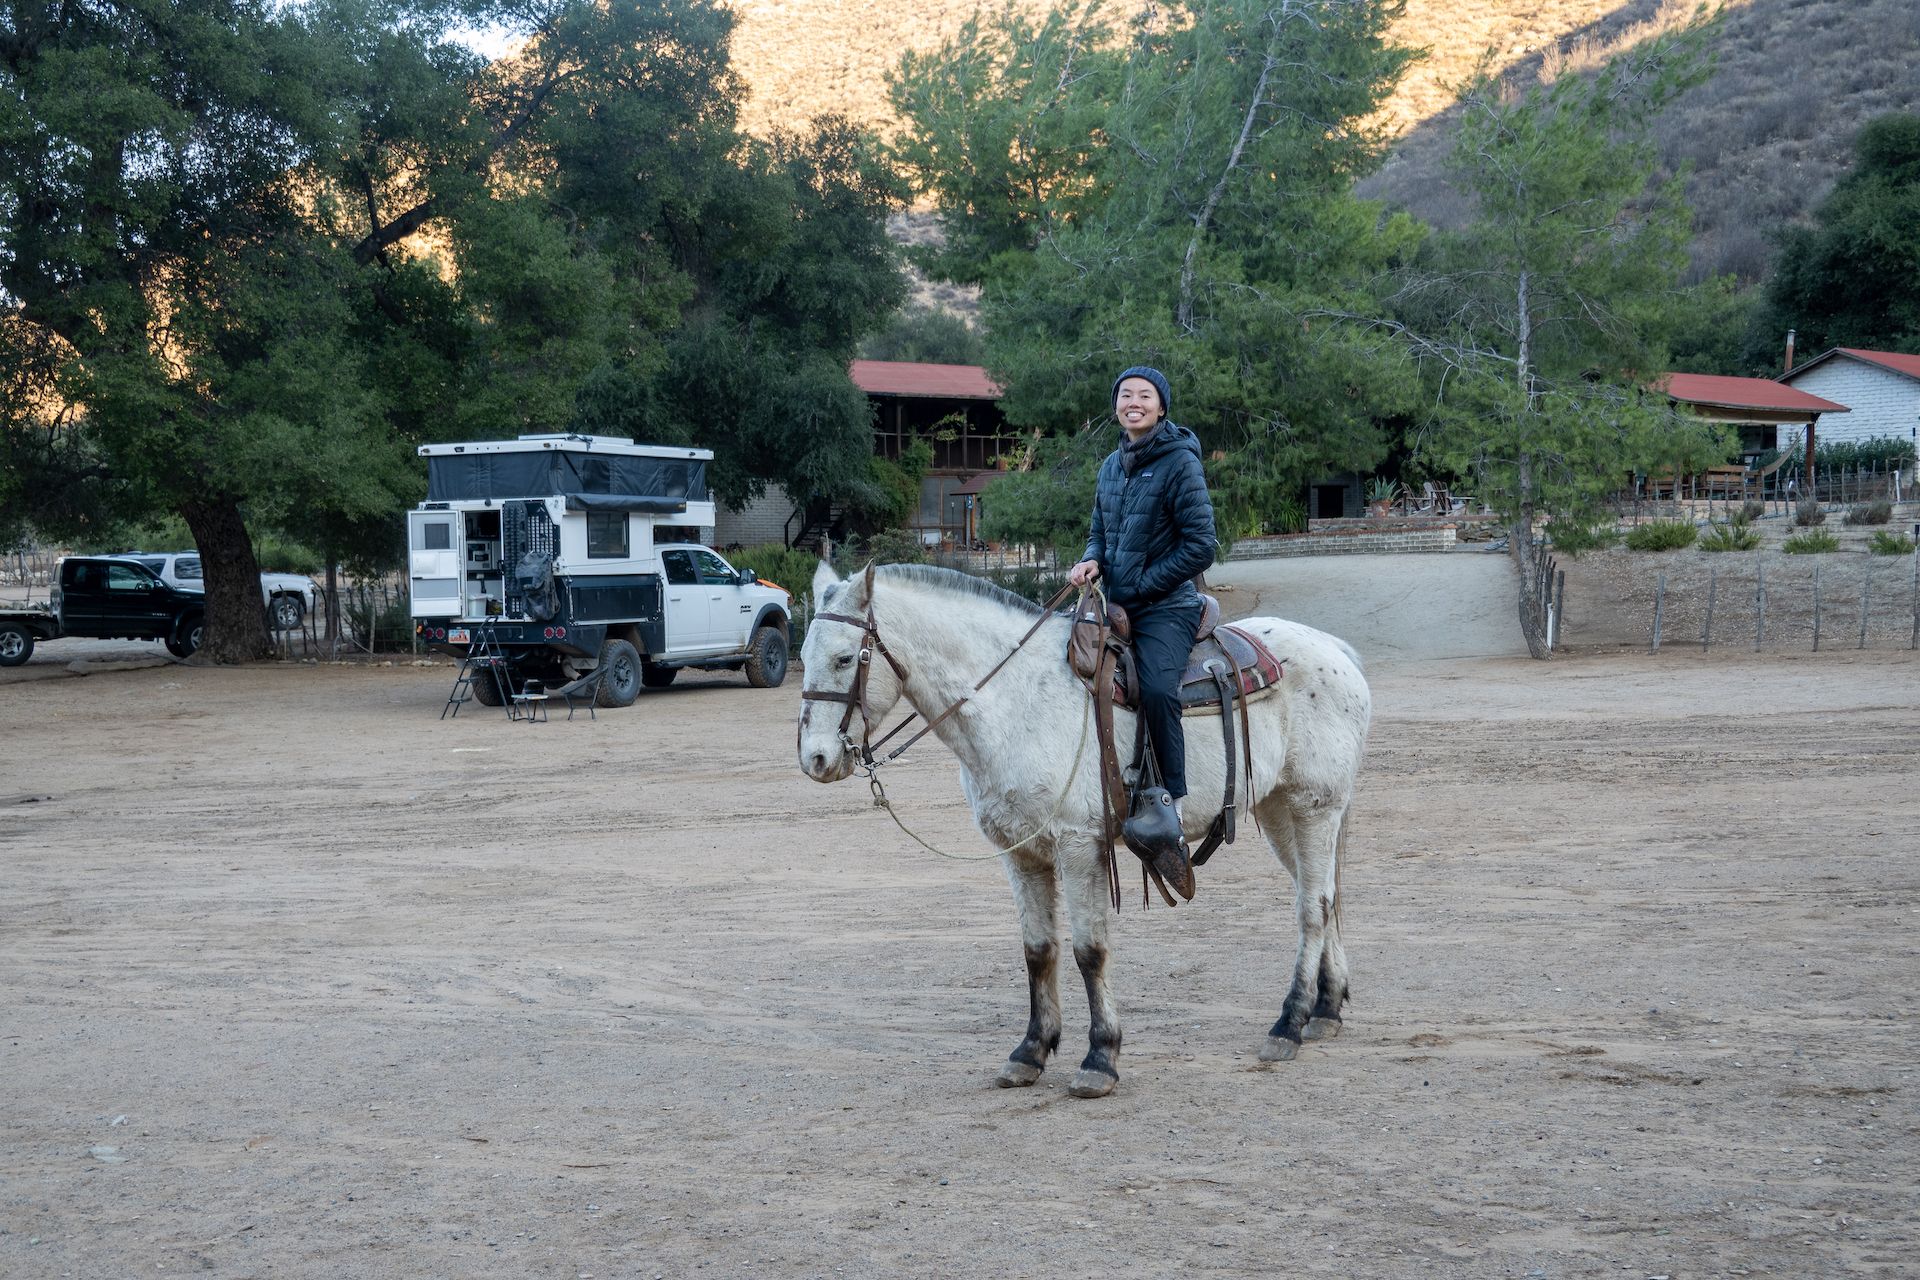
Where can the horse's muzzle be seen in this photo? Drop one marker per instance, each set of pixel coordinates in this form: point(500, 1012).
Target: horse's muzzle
point(826, 764)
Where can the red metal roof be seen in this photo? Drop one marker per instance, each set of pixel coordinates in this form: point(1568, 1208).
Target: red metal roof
point(1742, 393)
point(931, 381)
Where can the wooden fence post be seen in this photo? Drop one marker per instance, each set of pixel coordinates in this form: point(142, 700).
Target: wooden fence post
point(1760, 608)
point(1866, 581)
point(1915, 642)
point(1816, 608)
point(1706, 631)
point(1659, 607)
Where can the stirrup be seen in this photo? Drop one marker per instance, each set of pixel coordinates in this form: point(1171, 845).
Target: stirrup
point(1154, 835)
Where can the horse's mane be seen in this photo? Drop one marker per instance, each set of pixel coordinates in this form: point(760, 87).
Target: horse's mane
point(934, 575)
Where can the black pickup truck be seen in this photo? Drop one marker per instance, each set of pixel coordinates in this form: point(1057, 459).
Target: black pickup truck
point(109, 598)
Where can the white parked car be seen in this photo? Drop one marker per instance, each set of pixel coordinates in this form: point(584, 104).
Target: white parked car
point(288, 596)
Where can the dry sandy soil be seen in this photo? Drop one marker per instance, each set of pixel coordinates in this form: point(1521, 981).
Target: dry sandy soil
point(298, 980)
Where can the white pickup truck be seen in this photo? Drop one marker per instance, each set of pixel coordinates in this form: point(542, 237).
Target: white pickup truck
point(560, 555)
point(288, 596)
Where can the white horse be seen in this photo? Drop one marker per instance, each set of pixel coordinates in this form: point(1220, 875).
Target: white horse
point(928, 634)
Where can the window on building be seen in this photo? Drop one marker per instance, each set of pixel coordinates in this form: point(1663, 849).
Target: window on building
point(606, 535)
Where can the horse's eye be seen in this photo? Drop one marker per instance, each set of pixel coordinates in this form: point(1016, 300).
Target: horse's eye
point(844, 661)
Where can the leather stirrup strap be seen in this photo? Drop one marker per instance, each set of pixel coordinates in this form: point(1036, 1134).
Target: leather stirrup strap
point(1222, 830)
point(1246, 743)
point(1113, 789)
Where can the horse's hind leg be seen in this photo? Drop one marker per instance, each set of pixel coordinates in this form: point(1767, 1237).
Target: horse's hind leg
point(1035, 894)
point(1085, 879)
point(1312, 838)
point(1325, 1023)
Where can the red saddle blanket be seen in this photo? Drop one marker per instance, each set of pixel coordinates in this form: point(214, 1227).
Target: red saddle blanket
point(1253, 668)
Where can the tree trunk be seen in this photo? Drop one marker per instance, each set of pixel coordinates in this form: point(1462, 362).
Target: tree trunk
point(1520, 547)
point(236, 615)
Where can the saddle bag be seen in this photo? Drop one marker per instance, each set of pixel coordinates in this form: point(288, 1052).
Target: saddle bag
point(1091, 633)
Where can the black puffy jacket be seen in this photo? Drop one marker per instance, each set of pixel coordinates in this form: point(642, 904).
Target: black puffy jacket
point(1153, 530)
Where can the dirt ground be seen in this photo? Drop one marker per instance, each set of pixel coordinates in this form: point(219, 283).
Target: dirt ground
point(297, 979)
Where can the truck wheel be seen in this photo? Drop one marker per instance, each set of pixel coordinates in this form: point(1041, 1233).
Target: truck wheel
point(288, 612)
point(656, 677)
point(485, 688)
point(621, 683)
point(16, 644)
point(767, 659)
point(187, 639)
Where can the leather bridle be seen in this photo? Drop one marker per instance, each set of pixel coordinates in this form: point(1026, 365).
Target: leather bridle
point(855, 697)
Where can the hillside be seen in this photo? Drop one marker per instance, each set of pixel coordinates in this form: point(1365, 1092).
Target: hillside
point(1766, 137)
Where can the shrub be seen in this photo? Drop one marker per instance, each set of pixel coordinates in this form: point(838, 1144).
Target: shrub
point(1811, 543)
point(1731, 536)
point(1883, 543)
point(1750, 510)
point(1808, 514)
point(786, 567)
point(1870, 513)
point(1663, 535)
point(1572, 537)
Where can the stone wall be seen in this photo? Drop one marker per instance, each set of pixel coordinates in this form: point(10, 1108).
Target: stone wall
point(1351, 542)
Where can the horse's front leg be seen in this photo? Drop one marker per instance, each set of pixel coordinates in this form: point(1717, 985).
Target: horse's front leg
point(1085, 876)
point(1035, 894)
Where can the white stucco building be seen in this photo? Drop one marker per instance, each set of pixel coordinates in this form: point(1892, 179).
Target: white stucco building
point(1881, 390)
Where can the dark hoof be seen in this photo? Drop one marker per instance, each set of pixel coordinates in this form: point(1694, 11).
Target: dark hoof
point(1279, 1049)
point(1092, 1084)
point(1321, 1029)
point(1017, 1075)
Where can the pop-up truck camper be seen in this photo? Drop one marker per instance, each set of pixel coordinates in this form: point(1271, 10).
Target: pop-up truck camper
point(568, 554)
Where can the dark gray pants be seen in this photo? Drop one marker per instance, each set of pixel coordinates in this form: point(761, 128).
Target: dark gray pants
point(1162, 639)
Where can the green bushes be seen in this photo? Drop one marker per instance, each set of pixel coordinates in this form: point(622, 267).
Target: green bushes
point(1663, 535)
point(1735, 535)
point(1750, 510)
point(1811, 543)
point(1573, 538)
point(1883, 543)
point(1870, 513)
point(785, 567)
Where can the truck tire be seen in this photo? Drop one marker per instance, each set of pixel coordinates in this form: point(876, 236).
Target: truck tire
point(188, 637)
point(485, 686)
point(656, 677)
point(287, 612)
point(620, 684)
point(767, 659)
point(16, 644)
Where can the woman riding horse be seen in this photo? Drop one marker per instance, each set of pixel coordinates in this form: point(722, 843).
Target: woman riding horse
point(1152, 533)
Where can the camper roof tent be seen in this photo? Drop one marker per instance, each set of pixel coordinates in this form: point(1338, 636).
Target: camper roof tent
point(590, 472)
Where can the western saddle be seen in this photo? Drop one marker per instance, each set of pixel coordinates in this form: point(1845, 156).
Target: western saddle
point(1226, 668)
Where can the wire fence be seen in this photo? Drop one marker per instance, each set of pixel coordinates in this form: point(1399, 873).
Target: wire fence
point(1806, 607)
point(372, 617)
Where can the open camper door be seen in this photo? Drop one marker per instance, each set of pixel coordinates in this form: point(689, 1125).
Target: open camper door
point(433, 563)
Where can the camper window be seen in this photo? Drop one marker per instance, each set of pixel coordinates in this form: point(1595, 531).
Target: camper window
point(606, 535)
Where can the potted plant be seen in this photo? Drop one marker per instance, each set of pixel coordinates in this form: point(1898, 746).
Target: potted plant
point(1382, 493)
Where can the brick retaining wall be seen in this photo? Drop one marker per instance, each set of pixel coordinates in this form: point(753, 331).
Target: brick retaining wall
point(1336, 542)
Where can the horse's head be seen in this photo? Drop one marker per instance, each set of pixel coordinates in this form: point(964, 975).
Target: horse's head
point(850, 682)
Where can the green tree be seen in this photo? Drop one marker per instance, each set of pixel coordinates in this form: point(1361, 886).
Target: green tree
point(1853, 278)
point(1174, 190)
point(252, 253)
point(1541, 319)
point(926, 334)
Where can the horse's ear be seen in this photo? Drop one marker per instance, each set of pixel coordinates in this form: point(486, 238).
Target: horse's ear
point(869, 580)
point(823, 577)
